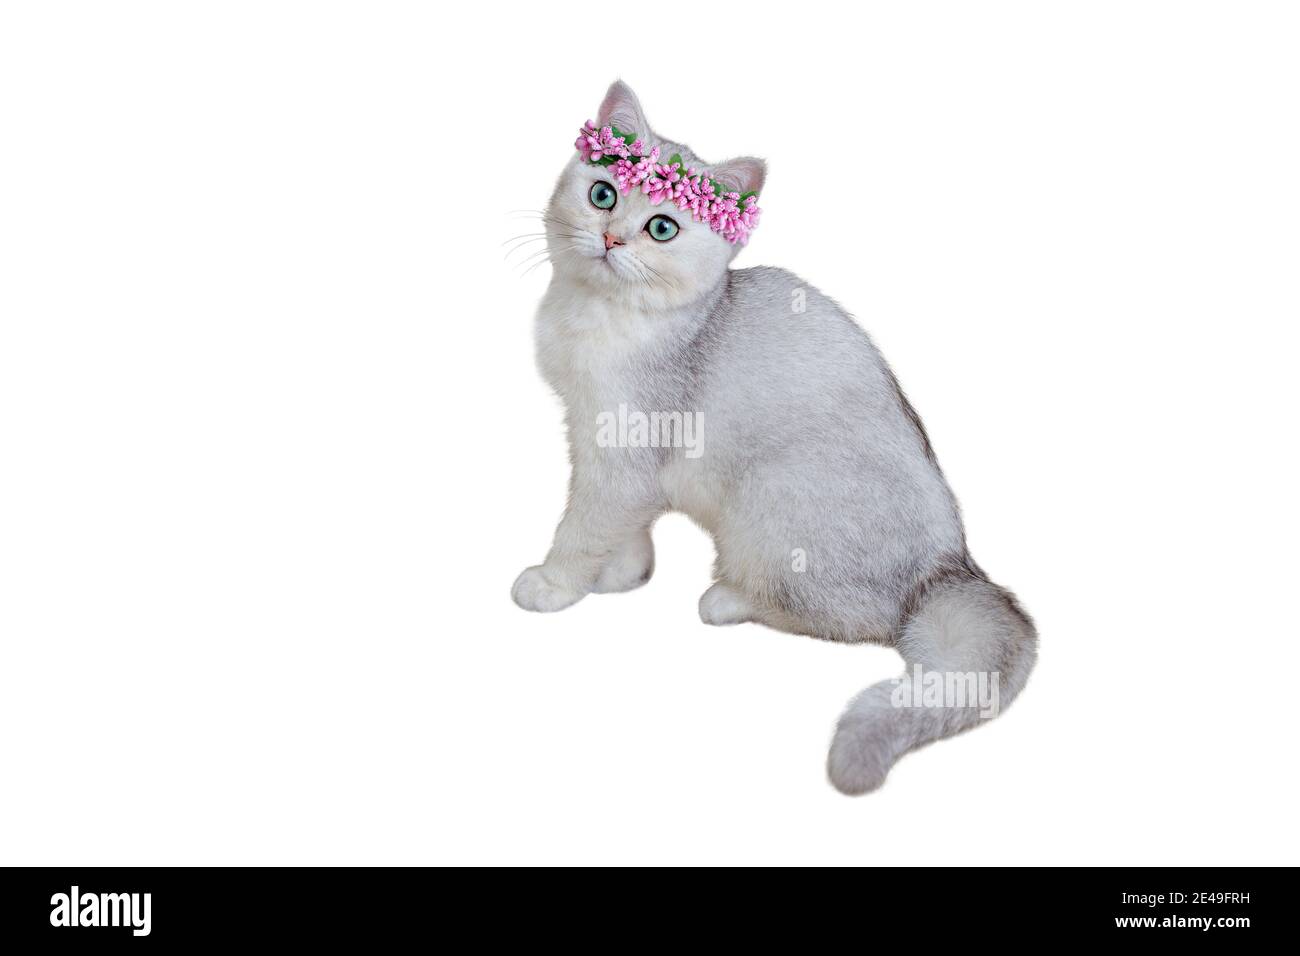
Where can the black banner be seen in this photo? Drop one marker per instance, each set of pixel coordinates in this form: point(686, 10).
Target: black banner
point(147, 907)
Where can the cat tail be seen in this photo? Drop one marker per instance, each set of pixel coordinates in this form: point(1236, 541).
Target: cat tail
point(969, 648)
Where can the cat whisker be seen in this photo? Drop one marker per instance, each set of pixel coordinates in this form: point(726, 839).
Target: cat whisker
point(533, 255)
point(542, 255)
point(525, 235)
point(521, 242)
point(645, 271)
point(557, 221)
point(522, 245)
point(534, 266)
point(657, 274)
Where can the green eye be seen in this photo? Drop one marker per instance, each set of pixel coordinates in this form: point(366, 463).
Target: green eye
point(603, 195)
point(661, 228)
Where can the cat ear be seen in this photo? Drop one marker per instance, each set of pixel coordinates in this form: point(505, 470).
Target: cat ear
point(744, 174)
point(622, 109)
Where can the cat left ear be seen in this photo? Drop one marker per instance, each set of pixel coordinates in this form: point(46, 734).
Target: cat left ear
point(621, 108)
point(744, 174)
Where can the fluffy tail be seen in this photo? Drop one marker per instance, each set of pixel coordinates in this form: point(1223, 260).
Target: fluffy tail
point(969, 649)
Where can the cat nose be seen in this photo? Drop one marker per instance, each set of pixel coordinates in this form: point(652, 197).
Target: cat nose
point(611, 242)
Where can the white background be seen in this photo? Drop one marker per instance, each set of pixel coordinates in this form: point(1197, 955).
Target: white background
point(273, 447)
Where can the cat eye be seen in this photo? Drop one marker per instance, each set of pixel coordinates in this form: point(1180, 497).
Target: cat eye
point(661, 228)
point(603, 196)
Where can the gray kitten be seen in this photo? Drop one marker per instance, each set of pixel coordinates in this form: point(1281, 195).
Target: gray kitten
point(806, 464)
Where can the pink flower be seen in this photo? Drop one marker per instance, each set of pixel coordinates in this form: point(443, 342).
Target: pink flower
point(695, 193)
point(659, 186)
point(628, 175)
point(595, 144)
point(733, 218)
point(587, 137)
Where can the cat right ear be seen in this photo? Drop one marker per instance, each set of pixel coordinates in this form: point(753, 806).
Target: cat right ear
point(744, 174)
point(622, 109)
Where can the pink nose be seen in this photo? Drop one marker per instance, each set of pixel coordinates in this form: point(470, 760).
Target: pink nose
point(611, 242)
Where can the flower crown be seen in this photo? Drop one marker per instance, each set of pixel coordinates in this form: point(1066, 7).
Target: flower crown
point(731, 215)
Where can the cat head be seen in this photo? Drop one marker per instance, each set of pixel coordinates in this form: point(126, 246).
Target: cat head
point(644, 219)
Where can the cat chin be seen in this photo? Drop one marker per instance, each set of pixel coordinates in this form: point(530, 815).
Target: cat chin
point(598, 275)
point(591, 271)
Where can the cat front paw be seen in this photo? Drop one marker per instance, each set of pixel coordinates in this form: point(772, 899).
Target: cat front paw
point(628, 568)
point(723, 605)
point(533, 592)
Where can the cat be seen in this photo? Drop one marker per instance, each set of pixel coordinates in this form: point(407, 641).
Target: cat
point(808, 451)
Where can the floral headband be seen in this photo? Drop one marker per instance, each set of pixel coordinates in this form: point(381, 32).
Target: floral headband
point(731, 215)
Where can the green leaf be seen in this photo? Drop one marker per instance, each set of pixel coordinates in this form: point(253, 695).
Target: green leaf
point(675, 158)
